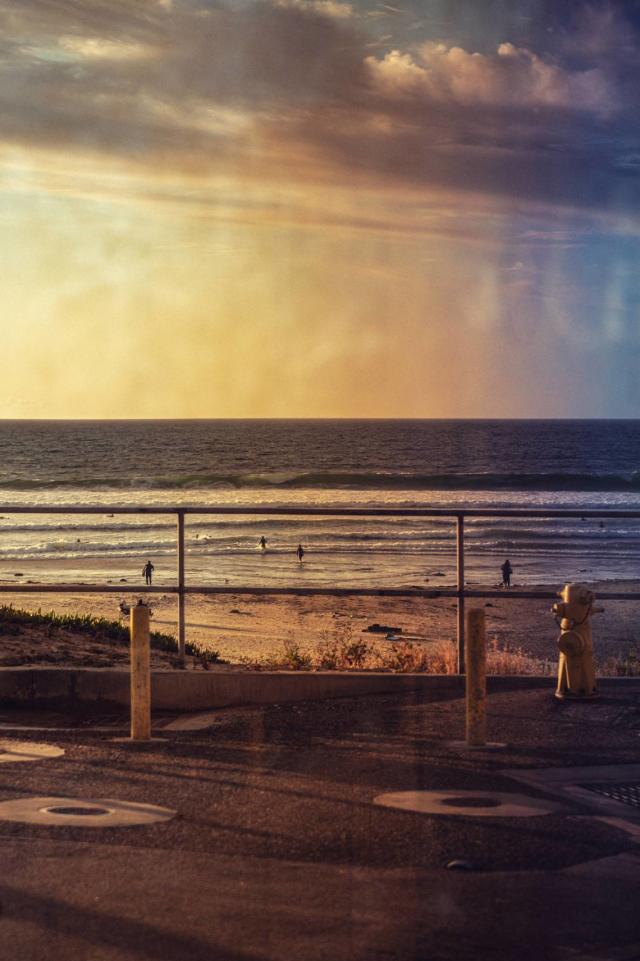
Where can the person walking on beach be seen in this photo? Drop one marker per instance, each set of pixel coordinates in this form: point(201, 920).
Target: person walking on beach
point(507, 571)
point(148, 570)
point(300, 552)
point(263, 543)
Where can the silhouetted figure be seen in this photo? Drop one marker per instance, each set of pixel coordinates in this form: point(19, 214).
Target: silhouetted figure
point(263, 543)
point(300, 552)
point(148, 570)
point(507, 571)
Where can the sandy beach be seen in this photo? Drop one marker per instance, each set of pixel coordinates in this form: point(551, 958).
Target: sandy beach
point(254, 628)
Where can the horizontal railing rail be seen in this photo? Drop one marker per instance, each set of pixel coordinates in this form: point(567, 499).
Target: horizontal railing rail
point(293, 509)
point(182, 589)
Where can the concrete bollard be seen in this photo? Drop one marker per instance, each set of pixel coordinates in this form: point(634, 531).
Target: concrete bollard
point(476, 680)
point(140, 673)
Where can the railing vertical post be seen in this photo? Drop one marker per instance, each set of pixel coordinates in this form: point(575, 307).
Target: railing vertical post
point(460, 588)
point(181, 594)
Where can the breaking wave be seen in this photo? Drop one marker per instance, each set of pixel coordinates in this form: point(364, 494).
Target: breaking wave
point(345, 480)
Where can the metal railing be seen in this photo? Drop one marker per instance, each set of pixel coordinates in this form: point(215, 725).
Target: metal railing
point(456, 515)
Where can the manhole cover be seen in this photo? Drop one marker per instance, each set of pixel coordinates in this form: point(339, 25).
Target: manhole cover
point(80, 812)
point(624, 793)
point(12, 751)
point(496, 804)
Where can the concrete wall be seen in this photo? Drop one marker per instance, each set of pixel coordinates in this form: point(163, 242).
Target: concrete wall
point(205, 690)
point(201, 690)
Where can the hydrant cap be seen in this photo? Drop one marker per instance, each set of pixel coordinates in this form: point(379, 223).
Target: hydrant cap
point(571, 643)
point(577, 594)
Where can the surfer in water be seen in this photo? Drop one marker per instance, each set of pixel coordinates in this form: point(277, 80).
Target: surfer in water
point(148, 570)
point(263, 543)
point(300, 552)
point(507, 571)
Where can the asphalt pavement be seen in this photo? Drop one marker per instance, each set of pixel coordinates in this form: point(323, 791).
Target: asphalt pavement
point(280, 849)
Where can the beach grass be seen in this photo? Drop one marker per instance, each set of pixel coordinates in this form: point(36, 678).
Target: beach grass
point(409, 657)
point(399, 657)
point(621, 665)
point(14, 620)
point(337, 650)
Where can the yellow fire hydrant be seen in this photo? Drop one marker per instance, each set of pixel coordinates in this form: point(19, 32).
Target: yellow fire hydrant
point(576, 670)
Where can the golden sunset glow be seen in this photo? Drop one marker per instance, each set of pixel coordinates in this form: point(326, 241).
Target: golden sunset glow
point(311, 208)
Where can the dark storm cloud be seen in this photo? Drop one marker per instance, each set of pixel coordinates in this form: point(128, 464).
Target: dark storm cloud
point(131, 79)
point(542, 106)
point(261, 50)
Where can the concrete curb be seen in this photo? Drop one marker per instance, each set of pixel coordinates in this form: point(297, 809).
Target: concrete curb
point(195, 691)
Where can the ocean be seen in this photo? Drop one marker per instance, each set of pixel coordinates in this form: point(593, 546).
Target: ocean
point(583, 464)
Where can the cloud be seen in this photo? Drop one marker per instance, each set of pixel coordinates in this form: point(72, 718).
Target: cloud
point(511, 77)
point(602, 33)
point(290, 90)
point(97, 48)
point(158, 84)
point(325, 8)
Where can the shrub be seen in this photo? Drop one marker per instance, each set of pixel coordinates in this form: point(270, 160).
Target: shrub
point(327, 656)
point(354, 653)
point(12, 620)
point(294, 658)
point(501, 660)
point(621, 666)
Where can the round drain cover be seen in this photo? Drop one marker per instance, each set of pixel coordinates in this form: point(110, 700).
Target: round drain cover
point(494, 804)
point(11, 751)
point(80, 812)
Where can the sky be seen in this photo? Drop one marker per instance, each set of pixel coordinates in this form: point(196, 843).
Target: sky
point(318, 208)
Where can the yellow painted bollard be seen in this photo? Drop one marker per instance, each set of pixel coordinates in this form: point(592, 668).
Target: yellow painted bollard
point(476, 680)
point(140, 673)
